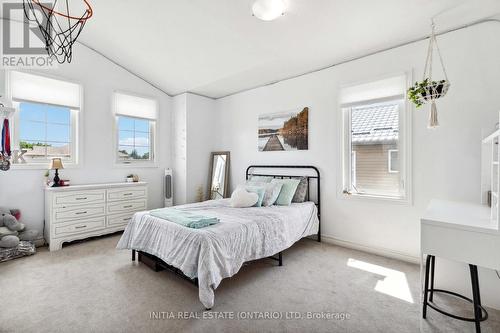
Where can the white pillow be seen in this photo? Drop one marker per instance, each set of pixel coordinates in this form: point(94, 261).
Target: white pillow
point(242, 199)
point(272, 191)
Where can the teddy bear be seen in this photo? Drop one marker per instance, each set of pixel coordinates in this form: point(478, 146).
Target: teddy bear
point(11, 230)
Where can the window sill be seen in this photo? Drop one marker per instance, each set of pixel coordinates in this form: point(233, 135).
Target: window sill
point(40, 166)
point(135, 165)
point(372, 197)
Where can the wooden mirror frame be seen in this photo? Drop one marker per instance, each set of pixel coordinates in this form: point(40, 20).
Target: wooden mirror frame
point(226, 173)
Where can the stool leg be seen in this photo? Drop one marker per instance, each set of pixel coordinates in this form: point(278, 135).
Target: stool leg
point(433, 265)
point(478, 293)
point(133, 255)
point(476, 297)
point(426, 286)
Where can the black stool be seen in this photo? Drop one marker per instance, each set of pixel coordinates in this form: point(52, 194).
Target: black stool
point(480, 314)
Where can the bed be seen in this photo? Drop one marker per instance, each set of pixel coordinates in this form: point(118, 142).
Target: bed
point(208, 255)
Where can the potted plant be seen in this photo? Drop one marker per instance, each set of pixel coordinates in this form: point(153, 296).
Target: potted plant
point(427, 91)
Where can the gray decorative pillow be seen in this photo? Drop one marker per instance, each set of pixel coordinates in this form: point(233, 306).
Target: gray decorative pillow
point(272, 191)
point(301, 192)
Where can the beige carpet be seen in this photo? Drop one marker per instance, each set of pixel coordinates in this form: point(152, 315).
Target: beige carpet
point(90, 286)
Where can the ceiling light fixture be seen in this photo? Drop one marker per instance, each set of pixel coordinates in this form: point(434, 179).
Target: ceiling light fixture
point(268, 10)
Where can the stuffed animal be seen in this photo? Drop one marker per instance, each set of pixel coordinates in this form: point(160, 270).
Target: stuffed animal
point(11, 230)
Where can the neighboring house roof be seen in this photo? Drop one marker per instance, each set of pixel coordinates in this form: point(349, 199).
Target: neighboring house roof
point(123, 156)
point(39, 151)
point(375, 124)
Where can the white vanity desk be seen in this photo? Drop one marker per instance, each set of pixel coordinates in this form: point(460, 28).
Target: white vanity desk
point(463, 232)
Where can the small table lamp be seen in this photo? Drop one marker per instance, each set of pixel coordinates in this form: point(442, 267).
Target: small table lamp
point(56, 165)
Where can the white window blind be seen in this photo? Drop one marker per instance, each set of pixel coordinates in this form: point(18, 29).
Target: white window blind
point(41, 89)
point(135, 106)
point(390, 87)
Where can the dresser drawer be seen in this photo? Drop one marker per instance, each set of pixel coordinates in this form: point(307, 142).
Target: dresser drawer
point(80, 197)
point(119, 220)
point(126, 206)
point(78, 212)
point(118, 194)
point(71, 228)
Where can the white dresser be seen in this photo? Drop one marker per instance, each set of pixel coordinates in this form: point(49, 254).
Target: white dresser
point(82, 211)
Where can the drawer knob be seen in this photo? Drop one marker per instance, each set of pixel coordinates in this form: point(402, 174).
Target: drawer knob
point(79, 213)
point(127, 193)
point(84, 198)
point(127, 219)
point(128, 206)
point(80, 227)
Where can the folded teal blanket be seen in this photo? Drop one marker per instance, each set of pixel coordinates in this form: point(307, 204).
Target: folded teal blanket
point(184, 218)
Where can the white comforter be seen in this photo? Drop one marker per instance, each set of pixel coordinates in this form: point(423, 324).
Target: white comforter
point(218, 251)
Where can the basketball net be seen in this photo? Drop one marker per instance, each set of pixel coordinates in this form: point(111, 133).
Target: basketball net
point(59, 26)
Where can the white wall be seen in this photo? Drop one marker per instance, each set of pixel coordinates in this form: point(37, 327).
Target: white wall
point(23, 188)
point(2, 83)
point(194, 138)
point(201, 138)
point(179, 141)
point(446, 161)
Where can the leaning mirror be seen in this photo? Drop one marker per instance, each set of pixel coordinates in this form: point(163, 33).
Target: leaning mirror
point(219, 175)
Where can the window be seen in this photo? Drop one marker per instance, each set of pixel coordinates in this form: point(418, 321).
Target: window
point(374, 141)
point(44, 131)
point(134, 139)
point(393, 161)
point(46, 121)
point(135, 123)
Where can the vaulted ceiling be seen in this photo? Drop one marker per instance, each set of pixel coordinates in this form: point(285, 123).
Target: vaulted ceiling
point(217, 47)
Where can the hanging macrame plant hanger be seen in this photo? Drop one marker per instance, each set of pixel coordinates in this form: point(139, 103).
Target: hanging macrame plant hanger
point(428, 91)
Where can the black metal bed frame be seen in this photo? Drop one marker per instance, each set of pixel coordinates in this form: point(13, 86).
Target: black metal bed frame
point(158, 265)
point(303, 167)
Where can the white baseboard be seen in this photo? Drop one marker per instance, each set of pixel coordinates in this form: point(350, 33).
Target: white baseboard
point(371, 249)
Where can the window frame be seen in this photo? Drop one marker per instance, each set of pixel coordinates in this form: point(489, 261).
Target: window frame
point(404, 147)
point(152, 162)
point(75, 125)
point(389, 160)
point(353, 165)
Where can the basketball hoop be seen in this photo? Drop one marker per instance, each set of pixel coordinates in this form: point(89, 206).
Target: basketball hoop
point(59, 27)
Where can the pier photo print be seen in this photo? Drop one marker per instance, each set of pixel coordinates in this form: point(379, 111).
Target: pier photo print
point(286, 130)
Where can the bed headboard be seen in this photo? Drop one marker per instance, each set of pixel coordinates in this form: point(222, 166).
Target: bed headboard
point(311, 173)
